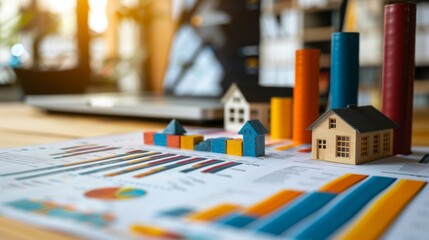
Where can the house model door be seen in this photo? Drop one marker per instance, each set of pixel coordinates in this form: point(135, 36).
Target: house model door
point(321, 149)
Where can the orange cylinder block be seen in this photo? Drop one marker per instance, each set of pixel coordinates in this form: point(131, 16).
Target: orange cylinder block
point(305, 94)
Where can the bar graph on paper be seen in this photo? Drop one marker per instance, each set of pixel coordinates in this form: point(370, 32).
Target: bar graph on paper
point(113, 187)
point(135, 164)
point(279, 214)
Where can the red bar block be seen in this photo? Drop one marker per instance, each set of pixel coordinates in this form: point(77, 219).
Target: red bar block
point(148, 138)
point(173, 141)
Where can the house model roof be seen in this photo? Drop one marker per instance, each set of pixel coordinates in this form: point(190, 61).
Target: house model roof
point(255, 125)
point(362, 119)
point(255, 93)
point(175, 128)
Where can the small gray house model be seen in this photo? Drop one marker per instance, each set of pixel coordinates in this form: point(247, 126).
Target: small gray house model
point(352, 135)
point(243, 103)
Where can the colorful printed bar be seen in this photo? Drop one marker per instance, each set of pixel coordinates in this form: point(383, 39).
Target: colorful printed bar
point(87, 152)
point(221, 167)
point(178, 212)
point(292, 214)
point(79, 146)
point(75, 150)
point(154, 232)
point(373, 223)
point(234, 147)
point(343, 211)
point(214, 213)
point(173, 141)
point(168, 167)
point(272, 203)
point(62, 212)
point(127, 164)
point(83, 167)
point(148, 138)
point(201, 165)
point(342, 183)
point(122, 156)
point(146, 165)
point(309, 204)
point(189, 142)
point(261, 209)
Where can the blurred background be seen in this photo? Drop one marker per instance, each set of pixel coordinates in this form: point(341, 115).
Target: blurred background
point(81, 46)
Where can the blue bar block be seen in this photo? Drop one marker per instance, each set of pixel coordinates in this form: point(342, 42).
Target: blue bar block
point(292, 214)
point(344, 210)
point(204, 146)
point(218, 145)
point(237, 220)
point(344, 69)
point(160, 139)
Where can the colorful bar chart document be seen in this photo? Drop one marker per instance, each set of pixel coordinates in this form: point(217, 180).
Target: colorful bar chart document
point(115, 187)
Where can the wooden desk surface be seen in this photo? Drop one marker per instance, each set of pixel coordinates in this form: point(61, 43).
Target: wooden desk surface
point(23, 125)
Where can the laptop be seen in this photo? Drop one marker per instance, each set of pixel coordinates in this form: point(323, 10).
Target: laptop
point(206, 57)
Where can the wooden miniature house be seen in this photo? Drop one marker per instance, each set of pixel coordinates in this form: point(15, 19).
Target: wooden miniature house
point(243, 103)
point(352, 135)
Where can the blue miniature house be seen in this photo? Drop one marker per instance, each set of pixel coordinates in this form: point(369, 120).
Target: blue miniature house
point(174, 128)
point(253, 138)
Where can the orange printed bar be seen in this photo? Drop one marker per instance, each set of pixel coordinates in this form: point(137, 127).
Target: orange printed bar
point(272, 203)
point(173, 141)
point(148, 138)
point(373, 223)
point(214, 213)
point(154, 232)
point(342, 183)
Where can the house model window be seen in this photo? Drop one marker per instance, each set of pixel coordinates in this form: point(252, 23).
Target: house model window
point(376, 144)
point(343, 146)
point(386, 142)
point(364, 147)
point(321, 143)
point(332, 123)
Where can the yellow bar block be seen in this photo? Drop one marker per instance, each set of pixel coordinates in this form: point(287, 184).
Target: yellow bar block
point(189, 141)
point(281, 118)
point(342, 183)
point(215, 212)
point(153, 232)
point(272, 203)
point(234, 147)
point(373, 223)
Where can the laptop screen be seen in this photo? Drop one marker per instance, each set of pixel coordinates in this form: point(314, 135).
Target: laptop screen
point(216, 44)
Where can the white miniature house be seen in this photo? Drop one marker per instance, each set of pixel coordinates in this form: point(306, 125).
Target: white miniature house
point(244, 103)
point(352, 135)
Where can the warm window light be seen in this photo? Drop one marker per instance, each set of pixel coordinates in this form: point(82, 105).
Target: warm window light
point(61, 7)
point(97, 16)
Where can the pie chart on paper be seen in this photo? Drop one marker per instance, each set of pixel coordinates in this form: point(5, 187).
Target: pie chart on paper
point(115, 193)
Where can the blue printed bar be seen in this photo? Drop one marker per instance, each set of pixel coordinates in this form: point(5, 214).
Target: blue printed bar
point(237, 220)
point(178, 212)
point(294, 213)
point(344, 210)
